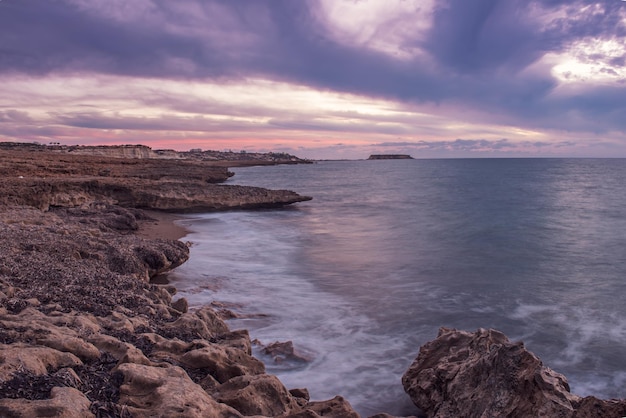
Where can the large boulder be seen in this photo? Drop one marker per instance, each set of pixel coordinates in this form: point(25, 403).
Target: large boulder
point(257, 395)
point(483, 374)
point(223, 363)
point(202, 323)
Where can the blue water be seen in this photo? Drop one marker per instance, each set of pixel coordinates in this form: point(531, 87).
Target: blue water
point(389, 251)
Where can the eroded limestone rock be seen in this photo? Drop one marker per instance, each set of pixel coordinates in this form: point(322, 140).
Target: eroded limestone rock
point(282, 352)
point(223, 363)
point(261, 395)
point(203, 323)
point(36, 360)
point(337, 406)
point(65, 402)
point(167, 392)
point(483, 374)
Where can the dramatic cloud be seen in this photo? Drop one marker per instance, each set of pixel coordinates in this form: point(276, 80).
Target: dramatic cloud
point(308, 75)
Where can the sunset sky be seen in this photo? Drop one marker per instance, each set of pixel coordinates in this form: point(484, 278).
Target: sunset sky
point(319, 78)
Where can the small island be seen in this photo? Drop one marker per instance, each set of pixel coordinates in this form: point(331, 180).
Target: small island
point(390, 157)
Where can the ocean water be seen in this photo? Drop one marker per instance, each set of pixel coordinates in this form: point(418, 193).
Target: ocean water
point(389, 251)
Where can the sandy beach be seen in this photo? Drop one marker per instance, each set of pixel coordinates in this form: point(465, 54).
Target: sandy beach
point(162, 225)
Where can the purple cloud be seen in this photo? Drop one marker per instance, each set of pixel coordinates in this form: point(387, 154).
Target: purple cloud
point(484, 55)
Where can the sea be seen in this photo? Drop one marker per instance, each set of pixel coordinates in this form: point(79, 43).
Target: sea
point(389, 251)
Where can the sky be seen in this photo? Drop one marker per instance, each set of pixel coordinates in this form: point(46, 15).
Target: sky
point(321, 79)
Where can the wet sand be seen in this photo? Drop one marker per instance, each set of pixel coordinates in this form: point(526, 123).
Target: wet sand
point(162, 225)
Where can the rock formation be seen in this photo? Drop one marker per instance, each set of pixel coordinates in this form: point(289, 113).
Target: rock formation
point(45, 180)
point(169, 195)
point(41, 162)
point(83, 330)
point(483, 374)
point(116, 151)
point(283, 352)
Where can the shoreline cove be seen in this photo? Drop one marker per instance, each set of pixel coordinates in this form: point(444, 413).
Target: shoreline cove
point(84, 331)
point(163, 225)
point(541, 384)
point(314, 273)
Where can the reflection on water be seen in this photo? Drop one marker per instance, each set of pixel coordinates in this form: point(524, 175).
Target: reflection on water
point(389, 251)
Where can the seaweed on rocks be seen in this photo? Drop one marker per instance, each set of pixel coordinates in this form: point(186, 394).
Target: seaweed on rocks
point(44, 257)
point(99, 382)
point(105, 217)
point(184, 334)
point(7, 337)
point(96, 380)
point(27, 385)
point(136, 338)
point(79, 315)
point(15, 305)
point(109, 410)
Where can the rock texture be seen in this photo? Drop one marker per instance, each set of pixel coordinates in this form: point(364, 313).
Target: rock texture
point(83, 330)
point(44, 179)
point(483, 374)
point(41, 162)
point(171, 196)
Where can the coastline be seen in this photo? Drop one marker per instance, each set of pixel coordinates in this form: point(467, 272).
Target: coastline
point(256, 278)
point(84, 331)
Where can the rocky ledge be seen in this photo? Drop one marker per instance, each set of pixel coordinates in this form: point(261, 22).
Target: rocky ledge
point(222, 158)
point(85, 332)
point(44, 179)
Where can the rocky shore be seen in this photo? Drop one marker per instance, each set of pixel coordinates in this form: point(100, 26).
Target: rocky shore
point(46, 179)
point(483, 374)
point(86, 331)
point(83, 332)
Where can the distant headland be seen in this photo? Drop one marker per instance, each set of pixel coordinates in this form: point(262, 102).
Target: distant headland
point(390, 157)
point(223, 158)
